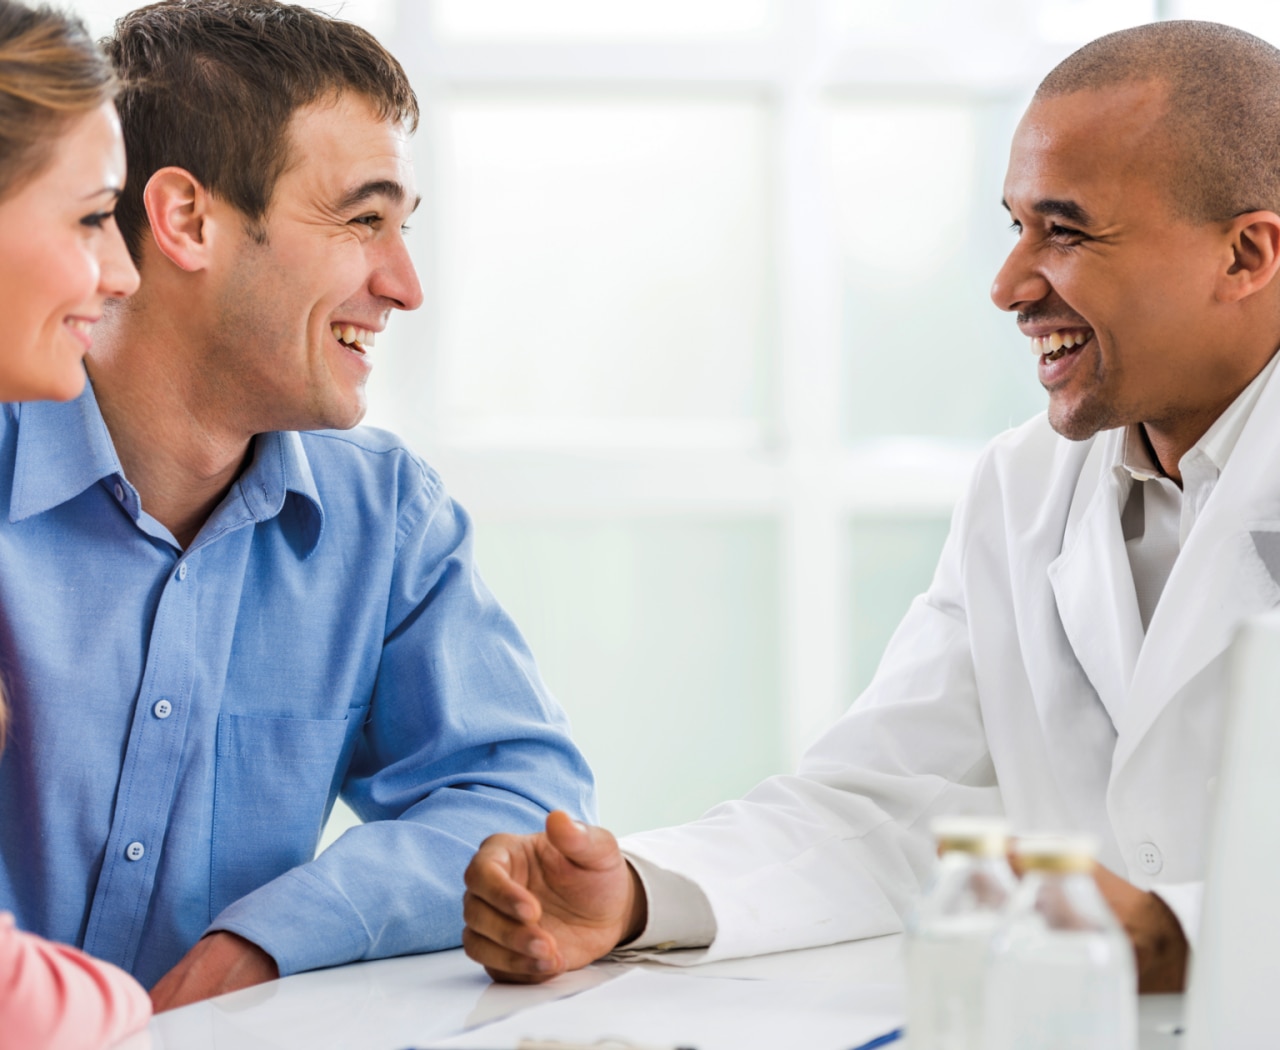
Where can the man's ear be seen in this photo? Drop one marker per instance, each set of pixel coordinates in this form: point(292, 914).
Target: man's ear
point(1254, 241)
point(178, 209)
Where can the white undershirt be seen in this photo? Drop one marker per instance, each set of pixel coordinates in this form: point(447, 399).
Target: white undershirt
point(1158, 515)
point(1157, 518)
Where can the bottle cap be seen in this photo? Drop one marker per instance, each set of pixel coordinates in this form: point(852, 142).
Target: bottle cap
point(1056, 853)
point(984, 836)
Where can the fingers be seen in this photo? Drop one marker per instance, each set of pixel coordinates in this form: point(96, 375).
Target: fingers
point(489, 877)
point(586, 846)
point(504, 964)
point(522, 938)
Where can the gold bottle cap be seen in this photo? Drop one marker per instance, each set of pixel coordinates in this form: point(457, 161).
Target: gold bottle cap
point(1055, 853)
point(983, 836)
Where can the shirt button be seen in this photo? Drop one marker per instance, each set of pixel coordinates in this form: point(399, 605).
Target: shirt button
point(119, 492)
point(163, 709)
point(1150, 858)
point(182, 571)
point(135, 850)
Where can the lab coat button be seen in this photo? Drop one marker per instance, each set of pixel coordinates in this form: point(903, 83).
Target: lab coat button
point(1150, 858)
point(163, 709)
point(182, 571)
point(135, 850)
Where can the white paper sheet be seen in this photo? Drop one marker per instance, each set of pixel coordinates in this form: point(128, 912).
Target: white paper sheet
point(710, 1013)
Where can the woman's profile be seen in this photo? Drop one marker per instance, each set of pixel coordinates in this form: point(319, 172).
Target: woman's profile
point(62, 166)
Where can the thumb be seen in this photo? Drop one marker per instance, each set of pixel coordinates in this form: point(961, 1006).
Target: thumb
point(581, 844)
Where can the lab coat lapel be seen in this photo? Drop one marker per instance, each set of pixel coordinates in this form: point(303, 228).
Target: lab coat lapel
point(1228, 569)
point(1093, 587)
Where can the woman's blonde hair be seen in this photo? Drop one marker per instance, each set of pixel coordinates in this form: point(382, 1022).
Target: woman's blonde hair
point(50, 73)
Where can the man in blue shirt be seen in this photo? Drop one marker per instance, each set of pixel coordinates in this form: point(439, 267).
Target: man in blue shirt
point(214, 615)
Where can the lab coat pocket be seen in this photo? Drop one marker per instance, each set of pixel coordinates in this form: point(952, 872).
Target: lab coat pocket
point(272, 785)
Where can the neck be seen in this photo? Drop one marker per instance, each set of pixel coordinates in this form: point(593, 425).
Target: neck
point(1168, 440)
point(170, 446)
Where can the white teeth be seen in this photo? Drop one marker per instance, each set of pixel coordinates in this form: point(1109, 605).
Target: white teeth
point(79, 325)
point(1052, 344)
point(358, 338)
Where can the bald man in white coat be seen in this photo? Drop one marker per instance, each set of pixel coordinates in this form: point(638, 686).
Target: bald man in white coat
point(1066, 666)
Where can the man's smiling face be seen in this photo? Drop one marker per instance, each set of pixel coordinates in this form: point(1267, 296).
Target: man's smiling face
point(298, 309)
point(1114, 290)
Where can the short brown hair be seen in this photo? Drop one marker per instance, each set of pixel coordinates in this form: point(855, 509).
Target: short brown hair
point(50, 73)
point(1222, 124)
point(211, 86)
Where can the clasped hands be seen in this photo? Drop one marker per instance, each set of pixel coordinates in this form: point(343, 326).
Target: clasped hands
point(538, 905)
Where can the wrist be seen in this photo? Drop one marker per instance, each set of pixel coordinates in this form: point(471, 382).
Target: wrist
point(637, 910)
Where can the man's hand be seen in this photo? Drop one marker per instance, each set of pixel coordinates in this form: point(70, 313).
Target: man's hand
point(1158, 941)
point(218, 963)
point(537, 905)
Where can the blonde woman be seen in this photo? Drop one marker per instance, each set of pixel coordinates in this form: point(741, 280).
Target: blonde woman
point(62, 167)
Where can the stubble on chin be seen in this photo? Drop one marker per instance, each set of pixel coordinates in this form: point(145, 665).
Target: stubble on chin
point(1080, 422)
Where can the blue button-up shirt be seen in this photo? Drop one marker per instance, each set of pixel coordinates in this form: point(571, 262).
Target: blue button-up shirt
point(182, 720)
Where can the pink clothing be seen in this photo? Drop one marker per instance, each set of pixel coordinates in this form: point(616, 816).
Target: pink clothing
point(53, 997)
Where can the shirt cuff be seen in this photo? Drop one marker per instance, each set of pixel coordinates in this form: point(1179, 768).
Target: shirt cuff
point(298, 921)
point(679, 916)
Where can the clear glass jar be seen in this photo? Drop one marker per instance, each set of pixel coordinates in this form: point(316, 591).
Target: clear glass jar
point(1061, 974)
point(949, 935)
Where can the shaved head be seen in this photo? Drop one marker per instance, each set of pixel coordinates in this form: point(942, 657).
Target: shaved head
point(1221, 155)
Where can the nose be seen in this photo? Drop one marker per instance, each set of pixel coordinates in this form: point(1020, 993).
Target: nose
point(1017, 281)
point(117, 276)
point(396, 278)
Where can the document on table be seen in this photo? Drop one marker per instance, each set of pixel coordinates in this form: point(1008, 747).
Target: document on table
point(710, 1013)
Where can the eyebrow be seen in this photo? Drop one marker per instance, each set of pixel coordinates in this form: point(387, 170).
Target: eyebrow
point(388, 188)
point(115, 192)
point(1061, 209)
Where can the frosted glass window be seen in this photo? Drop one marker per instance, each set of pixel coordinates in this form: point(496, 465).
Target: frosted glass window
point(601, 19)
point(604, 259)
point(891, 561)
point(1059, 21)
point(661, 640)
point(922, 234)
point(1078, 21)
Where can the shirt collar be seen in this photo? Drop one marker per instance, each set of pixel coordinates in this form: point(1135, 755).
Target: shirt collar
point(280, 470)
point(1217, 443)
point(64, 448)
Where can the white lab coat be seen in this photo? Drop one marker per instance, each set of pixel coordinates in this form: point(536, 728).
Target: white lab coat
point(1021, 683)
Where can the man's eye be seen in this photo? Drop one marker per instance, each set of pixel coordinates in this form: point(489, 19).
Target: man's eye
point(368, 220)
point(1063, 232)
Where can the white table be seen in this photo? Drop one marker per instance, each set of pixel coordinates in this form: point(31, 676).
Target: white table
point(396, 1003)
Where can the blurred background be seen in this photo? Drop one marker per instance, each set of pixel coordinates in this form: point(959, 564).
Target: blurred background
point(707, 350)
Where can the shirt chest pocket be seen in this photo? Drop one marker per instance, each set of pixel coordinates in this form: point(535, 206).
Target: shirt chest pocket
point(272, 786)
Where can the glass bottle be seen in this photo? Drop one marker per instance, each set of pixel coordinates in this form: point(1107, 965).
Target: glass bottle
point(949, 934)
point(1061, 974)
